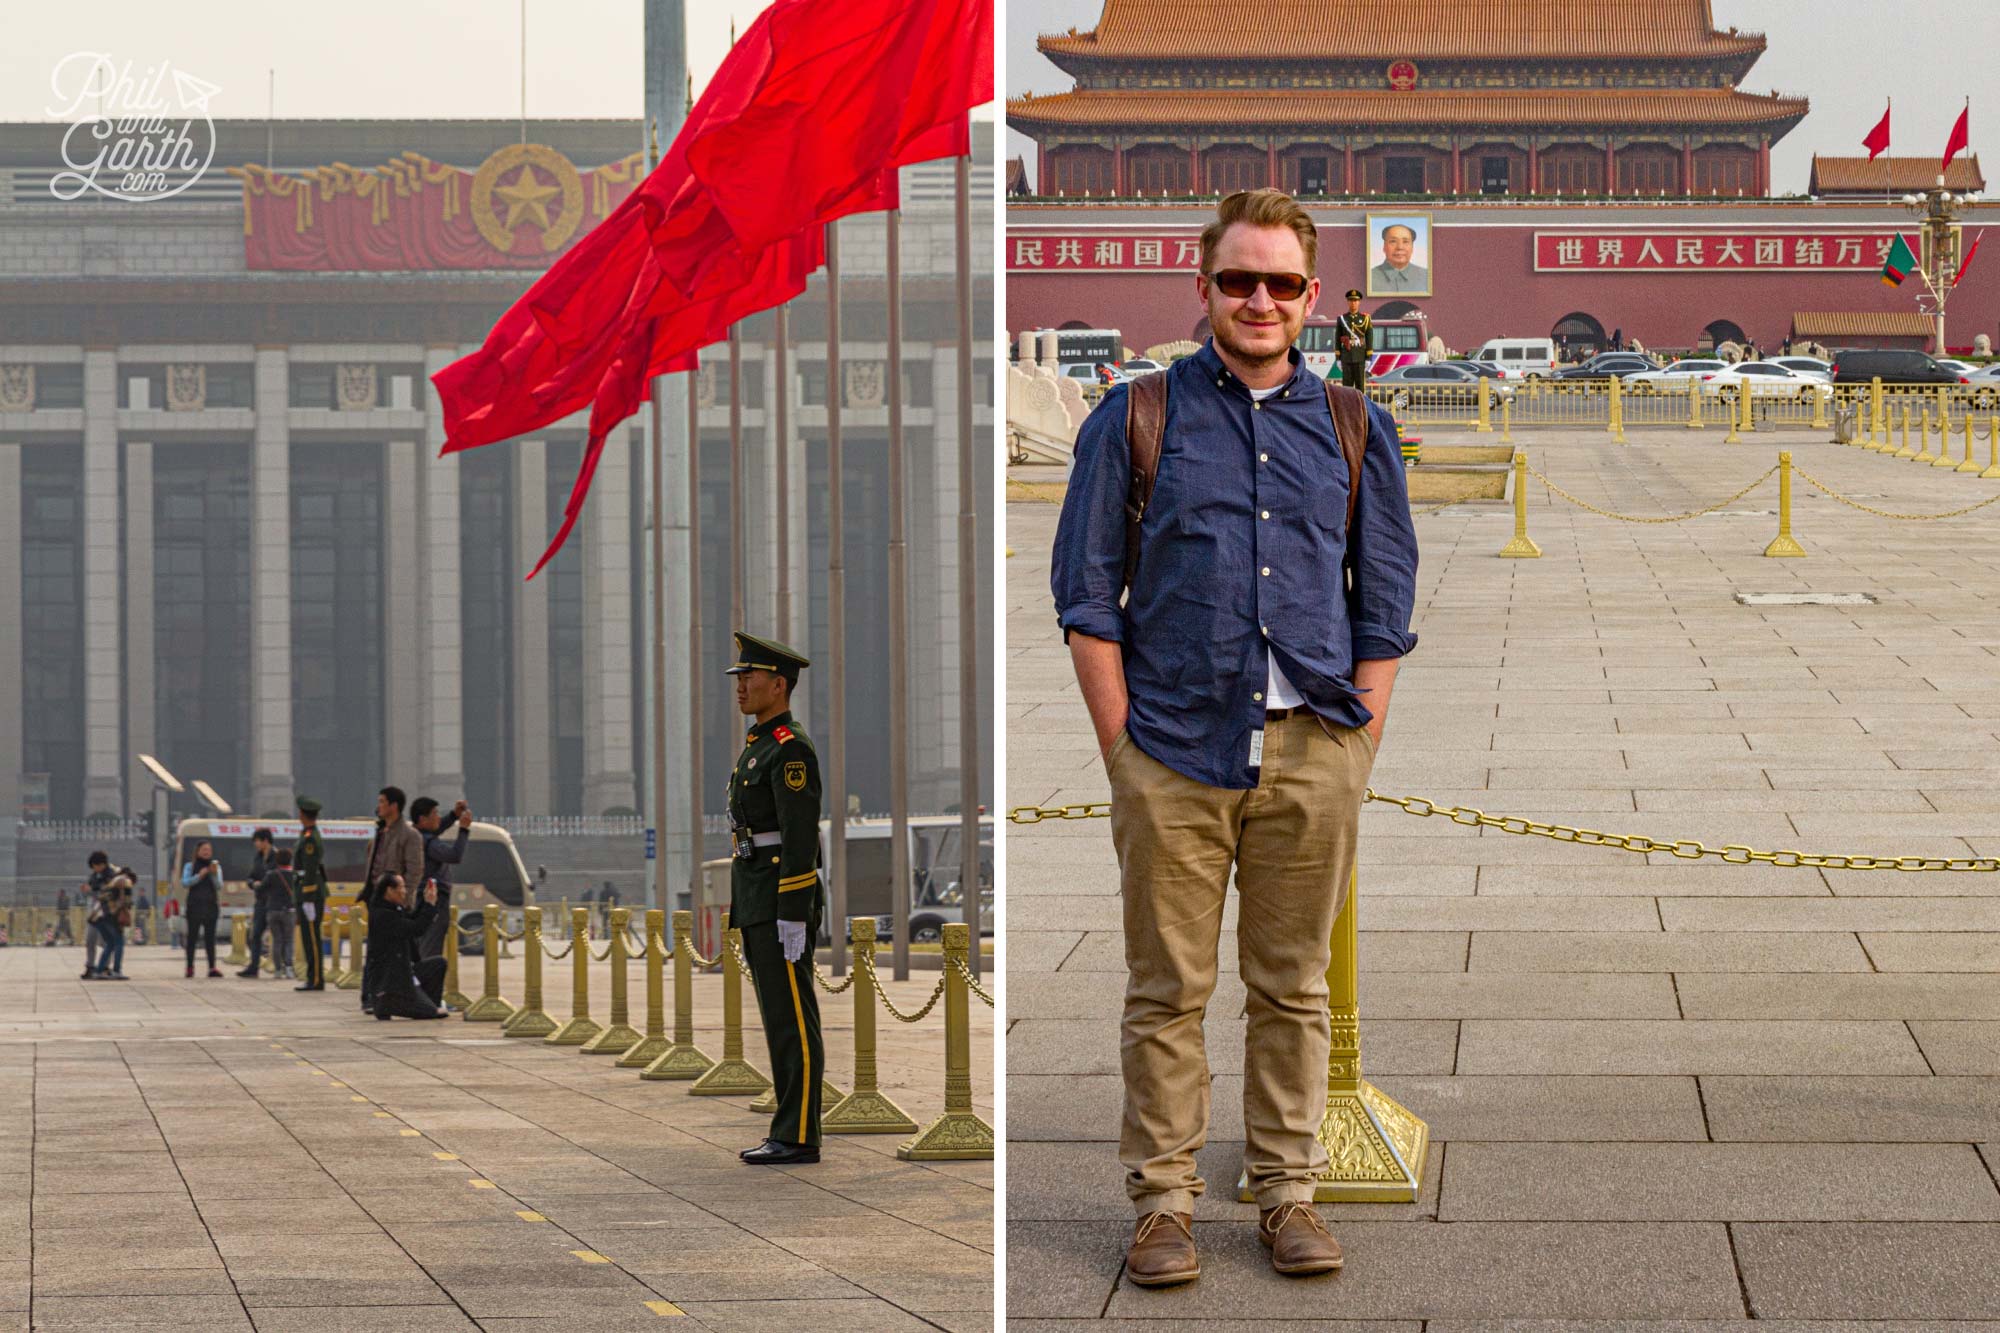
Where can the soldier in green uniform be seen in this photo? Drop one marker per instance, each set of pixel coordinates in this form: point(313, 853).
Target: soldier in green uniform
point(1352, 334)
point(774, 889)
point(309, 889)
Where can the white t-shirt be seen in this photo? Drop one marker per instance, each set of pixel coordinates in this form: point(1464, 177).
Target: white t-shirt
point(1278, 692)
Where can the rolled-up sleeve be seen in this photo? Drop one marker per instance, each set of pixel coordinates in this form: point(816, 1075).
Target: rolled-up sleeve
point(1383, 550)
point(1087, 573)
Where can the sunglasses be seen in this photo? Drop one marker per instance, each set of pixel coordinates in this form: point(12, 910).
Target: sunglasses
point(1242, 282)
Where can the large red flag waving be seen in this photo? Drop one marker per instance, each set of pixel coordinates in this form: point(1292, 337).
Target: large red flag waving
point(1878, 138)
point(1961, 135)
point(669, 270)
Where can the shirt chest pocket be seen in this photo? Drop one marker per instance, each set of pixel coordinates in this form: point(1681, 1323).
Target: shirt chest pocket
point(1327, 506)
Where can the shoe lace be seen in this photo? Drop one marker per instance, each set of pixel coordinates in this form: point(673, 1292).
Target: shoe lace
point(1153, 1221)
point(1282, 1215)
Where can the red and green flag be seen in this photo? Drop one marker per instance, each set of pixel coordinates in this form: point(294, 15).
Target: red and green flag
point(1901, 263)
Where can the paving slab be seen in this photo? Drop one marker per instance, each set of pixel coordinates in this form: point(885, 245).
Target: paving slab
point(1851, 1108)
point(1884, 1270)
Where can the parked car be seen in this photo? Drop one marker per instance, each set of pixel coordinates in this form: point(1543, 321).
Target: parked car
point(1518, 358)
point(1138, 366)
point(1767, 379)
point(1890, 365)
point(1675, 376)
point(1959, 367)
point(1605, 366)
point(1806, 365)
point(1486, 370)
point(1443, 381)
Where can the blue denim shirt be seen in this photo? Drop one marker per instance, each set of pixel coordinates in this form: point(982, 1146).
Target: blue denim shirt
point(1240, 557)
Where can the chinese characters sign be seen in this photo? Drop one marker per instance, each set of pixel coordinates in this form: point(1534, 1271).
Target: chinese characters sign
point(1103, 254)
point(1709, 251)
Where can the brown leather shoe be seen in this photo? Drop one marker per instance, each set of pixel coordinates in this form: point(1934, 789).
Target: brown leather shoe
point(1298, 1240)
point(1162, 1252)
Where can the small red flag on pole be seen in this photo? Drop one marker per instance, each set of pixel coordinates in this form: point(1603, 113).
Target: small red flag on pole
point(1961, 135)
point(1966, 262)
point(1877, 141)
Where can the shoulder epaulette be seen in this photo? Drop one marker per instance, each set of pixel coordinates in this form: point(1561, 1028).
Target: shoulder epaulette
point(781, 733)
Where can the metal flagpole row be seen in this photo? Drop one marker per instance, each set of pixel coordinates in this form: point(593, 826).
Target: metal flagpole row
point(968, 582)
point(694, 661)
point(899, 622)
point(836, 574)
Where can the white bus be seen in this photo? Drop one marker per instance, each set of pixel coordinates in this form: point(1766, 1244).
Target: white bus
point(1396, 342)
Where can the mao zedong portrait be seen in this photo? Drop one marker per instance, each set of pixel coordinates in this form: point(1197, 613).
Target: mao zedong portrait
point(1401, 241)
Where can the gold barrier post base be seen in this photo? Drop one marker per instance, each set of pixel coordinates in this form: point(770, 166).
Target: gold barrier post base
point(238, 932)
point(954, 1136)
point(357, 946)
point(489, 1009)
point(1522, 547)
point(681, 1060)
point(575, 1032)
point(614, 1040)
point(866, 1110)
point(679, 1063)
point(729, 1078)
point(958, 1134)
point(581, 1027)
point(829, 1097)
point(643, 1052)
point(732, 1076)
point(528, 1022)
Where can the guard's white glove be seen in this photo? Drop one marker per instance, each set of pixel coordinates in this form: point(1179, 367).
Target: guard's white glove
point(792, 937)
point(309, 910)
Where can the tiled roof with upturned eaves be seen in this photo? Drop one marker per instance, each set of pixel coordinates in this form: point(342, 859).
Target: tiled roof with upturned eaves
point(1553, 108)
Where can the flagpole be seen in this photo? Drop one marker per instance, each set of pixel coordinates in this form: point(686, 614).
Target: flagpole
point(659, 595)
point(781, 471)
point(694, 663)
point(836, 571)
point(968, 582)
point(736, 609)
point(899, 619)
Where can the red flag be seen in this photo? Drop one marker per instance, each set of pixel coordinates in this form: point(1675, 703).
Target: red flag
point(1961, 135)
point(1966, 262)
point(1877, 141)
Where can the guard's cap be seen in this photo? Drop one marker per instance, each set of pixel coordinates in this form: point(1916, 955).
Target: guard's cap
point(307, 805)
point(1354, 293)
point(755, 654)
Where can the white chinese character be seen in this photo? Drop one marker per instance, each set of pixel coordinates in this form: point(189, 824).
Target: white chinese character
point(1148, 252)
point(1069, 252)
point(1732, 252)
point(1688, 250)
point(1847, 252)
point(1770, 250)
point(1610, 250)
point(1647, 251)
point(1569, 250)
point(1809, 252)
point(1027, 254)
point(1111, 253)
point(1187, 252)
point(1882, 250)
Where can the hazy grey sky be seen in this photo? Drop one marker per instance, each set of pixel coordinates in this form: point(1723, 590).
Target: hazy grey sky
point(365, 58)
point(1846, 55)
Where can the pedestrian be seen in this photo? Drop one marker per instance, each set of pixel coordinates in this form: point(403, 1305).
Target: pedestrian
point(397, 849)
point(176, 923)
point(309, 890)
point(91, 893)
point(201, 880)
point(393, 931)
point(774, 891)
point(1355, 334)
point(262, 862)
point(1237, 676)
point(115, 914)
point(278, 914)
point(440, 855)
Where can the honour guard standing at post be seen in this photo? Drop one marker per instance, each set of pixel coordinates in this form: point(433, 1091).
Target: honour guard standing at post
point(1353, 333)
point(309, 889)
point(774, 890)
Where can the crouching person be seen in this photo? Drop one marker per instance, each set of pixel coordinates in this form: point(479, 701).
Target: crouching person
point(393, 928)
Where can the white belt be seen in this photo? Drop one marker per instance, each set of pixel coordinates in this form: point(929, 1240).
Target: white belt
point(766, 839)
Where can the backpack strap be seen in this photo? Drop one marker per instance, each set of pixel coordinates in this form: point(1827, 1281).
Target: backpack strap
point(1350, 426)
point(1145, 427)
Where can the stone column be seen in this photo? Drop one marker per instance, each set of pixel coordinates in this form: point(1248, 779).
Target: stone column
point(12, 724)
point(608, 717)
point(140, 729)
point(441, 746)
point(103, 720)
point(402, 648)
point(531, 631)
point(271, 767)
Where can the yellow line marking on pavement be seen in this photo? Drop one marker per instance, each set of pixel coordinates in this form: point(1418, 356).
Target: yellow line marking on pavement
point(357, 1097)
point(382, 1115)
point(591, 1256)
point(527, 1216)
point(665, 1309)
point(445, 1156)
point(411, 1133)
point(335, 1084)
point(482, 1184)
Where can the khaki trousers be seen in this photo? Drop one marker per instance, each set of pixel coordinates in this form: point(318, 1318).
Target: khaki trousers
point(1291, 842)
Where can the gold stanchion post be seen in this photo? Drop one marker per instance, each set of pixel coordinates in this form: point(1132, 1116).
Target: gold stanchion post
point(530, 1020)
point(1507, 420)
point(866, 1110)
point(1729, 407)
point(732, 1076)
point(1784, 545)
point(336, 927)
point(1694, 404)
point(1876, 411)
point(1485, 423)
point(1968, 465)
point(618, 1036)
point(357, 947)
point(1819, 421)
point(1616, 421)
point(454, 998)
point(239, 931)
point(958, 1134)
point(581, 1026)
point(1375, 1147)
point(649, 1047)
point(1522, 547)
point(1992, 447)
point(489, 1007)
point(682, 1060)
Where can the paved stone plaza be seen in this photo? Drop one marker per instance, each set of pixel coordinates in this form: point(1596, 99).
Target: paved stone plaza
point(222, 1154)
point(1658, 1089)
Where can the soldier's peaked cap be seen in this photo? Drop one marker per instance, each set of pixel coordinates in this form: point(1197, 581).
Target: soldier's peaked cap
point(1354, 293)
point(307, 805)
point(755, 654)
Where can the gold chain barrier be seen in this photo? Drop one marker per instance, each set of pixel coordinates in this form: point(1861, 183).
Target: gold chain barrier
point(618, 1036)
point(866, 1110)
point(1885, 513)
point(732, 1076)
point(530, 1020)
point(681, 1059)
point(1638, 518)
point(958, 1134)
point(581, 1027)
point(648, 1048)
point(489, 1007)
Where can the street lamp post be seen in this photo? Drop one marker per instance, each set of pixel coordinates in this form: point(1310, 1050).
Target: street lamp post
point(1938, 210)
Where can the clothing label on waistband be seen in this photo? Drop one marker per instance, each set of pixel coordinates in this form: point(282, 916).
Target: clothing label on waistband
point(1256, 749)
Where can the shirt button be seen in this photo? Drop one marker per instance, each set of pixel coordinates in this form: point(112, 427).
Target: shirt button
point(1264, 513)
point(1263, 458)
point(1257, 407)
point(1267, 571)
point(1258, 697)
point(1264, 630)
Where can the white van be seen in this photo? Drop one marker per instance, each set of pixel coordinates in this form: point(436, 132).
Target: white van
point(1518, 358)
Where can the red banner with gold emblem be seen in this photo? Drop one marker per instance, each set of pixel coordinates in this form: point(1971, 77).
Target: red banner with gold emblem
point(519, 209)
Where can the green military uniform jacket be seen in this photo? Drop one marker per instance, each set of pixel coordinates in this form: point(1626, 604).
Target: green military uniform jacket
point(309, 871)
point(775, 791)
point(1353, 335)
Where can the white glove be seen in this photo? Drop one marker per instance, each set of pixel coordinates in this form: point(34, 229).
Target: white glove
point(310, 911)
point(792, 936)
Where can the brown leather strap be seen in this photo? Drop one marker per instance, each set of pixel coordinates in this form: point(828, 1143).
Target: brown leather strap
point(1145, 427)
point(1350, 426)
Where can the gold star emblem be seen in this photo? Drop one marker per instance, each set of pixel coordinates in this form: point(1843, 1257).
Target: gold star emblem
point(527, 195)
